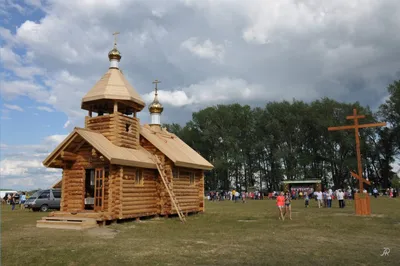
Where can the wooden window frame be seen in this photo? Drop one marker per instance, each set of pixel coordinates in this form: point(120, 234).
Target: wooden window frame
point(192, 174)
point(99, 189)
point(139, 173)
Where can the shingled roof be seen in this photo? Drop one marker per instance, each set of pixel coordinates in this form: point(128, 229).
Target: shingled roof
point(113, 85)
point(115, 154)
point(175, 149)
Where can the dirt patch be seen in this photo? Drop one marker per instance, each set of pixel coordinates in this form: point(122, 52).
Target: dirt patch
point(246, 221)
point(343, 214)
point(102, 232)
point(378, 215)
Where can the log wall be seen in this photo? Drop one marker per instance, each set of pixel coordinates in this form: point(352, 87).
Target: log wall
point(118, 128)
point(190, 196)
point(115, 192)
point(128, 139)
point(139, 199)
point(164, 199)
point(73, 186)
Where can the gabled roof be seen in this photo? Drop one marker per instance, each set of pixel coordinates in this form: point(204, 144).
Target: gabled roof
point(175, 149)
point(115, 154)
point(58, 184)
point(113, 85)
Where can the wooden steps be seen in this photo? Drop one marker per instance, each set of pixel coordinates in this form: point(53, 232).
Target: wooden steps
point(67, 222)
point(99, 216)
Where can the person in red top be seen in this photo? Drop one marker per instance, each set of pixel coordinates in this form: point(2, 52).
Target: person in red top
point(280, 202)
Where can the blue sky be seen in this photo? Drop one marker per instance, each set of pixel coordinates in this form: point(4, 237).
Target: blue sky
point(204, 52)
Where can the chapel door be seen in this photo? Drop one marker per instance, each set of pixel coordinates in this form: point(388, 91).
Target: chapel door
point(99, 189)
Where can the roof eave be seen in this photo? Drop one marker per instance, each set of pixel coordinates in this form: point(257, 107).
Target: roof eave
point(87, 100)
point(133, 163)
point(47, 162)
point(194, 166)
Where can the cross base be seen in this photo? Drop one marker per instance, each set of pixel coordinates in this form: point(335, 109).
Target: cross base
point(362, 204)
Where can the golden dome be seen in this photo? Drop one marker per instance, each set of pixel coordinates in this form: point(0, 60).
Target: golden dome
point(114, 54)
point(156, 106)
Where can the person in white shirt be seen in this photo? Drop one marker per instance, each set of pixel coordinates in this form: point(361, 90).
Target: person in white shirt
point(236, 196)
point(319, 198)
point(329, 198)
point(340, 197)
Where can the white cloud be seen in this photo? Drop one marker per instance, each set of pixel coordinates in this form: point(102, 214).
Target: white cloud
point(19, 66)
point(18, 167)
point(67, 124)
point(34, 3)
point(265, 50)
point(205, 50)
point(13, 107)
point(54, 140)
point(15, 88)
point(21, 165)
point(45, 108)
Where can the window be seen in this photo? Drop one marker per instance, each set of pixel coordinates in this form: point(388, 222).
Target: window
point(128, 127)
point(191, 178)
point(45, 195)
point(57, 194)
point(175, 173)
point(139, 177)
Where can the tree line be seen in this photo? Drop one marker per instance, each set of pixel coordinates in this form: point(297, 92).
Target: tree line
point(259, 147)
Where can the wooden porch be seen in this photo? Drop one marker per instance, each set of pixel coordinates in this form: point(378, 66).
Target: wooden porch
point(99, 216)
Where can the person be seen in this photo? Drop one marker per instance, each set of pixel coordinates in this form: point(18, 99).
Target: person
point(306, 199)
point(340, 197)
point(375, 192)
point(329, 198)
point(12, 202)
point(244, 197)
point(288, 207)
point(280, 203)
point(236, 196)
point(319, 198)
point(22, 201)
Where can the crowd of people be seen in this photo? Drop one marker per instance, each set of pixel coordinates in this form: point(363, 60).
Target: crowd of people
point(14, 199)
point(323, 198)
point(234, 195)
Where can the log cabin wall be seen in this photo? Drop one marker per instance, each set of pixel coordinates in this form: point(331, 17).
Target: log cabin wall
point(128, 131)
point(121, 130)
point(189, 189)
point(139, 192)
point(115, 192)
point(164, 203)
point(73, 186)
point(189, 195)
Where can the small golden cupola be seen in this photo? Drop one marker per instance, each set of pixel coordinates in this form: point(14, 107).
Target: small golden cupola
point(156, 107)
point(114, 55)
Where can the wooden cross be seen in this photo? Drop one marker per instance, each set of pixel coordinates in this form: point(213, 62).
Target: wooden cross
point(156, 82)
point(115, 37)
point(357, 126)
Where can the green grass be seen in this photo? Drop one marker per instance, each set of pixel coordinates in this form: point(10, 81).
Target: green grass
point(227, 234)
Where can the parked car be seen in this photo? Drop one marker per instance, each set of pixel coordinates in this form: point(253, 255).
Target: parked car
point(44, 200)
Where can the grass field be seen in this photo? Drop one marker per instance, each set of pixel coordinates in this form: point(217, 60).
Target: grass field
point(227, 234)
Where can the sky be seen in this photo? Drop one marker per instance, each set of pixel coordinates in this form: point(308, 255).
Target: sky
point(204, 52)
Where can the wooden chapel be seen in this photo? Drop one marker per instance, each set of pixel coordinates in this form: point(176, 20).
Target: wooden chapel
point(114, 168)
